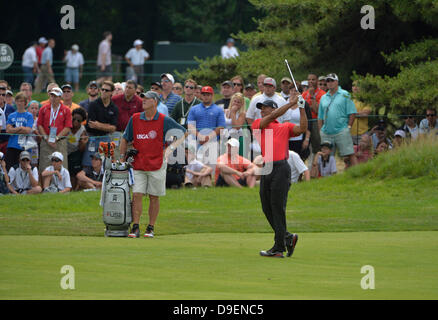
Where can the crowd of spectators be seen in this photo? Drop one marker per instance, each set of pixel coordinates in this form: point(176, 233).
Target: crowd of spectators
point(52, 145)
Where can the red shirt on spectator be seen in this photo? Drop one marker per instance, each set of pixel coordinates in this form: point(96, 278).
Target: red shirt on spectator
point(126, 109)
point(63, 118)
point(318, 94)
point(39, 52)
point(279, 141)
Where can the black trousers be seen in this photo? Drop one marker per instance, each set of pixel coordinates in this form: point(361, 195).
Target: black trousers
point(274, 188)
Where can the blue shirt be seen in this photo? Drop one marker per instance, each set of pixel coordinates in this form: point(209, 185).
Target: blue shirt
point(171, 101)
point(18, 119)
point(335, 111)
point(169, 124)
point(211, 117)
point(162, 108)
point(47, 56)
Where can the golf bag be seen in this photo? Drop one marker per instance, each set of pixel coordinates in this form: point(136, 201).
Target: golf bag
point(116, 193)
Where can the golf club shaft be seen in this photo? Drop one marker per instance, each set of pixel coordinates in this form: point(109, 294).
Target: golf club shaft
point(290, 71)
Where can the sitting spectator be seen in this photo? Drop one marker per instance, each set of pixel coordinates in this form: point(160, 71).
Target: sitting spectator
point(429, 124)
point(399, 138)
point(379, 133)
point(197, 173)
point(324, 163)
point(298, 169)
point(364, 150)
point(4, 178)
point(381, 147)
point(56, 178)
point(24, 179)
point(19, 125)
point(76, 143)
point(175, 174)
point(233, 169)
point(410, 127)
point(91, 177)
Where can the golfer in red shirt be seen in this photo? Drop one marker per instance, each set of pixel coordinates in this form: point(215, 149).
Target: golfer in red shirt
point(273, 138)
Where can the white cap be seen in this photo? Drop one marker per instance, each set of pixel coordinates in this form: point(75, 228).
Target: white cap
point(42, 40)
point(56, 91)
point(233, 142)
point(270, 81)
point(57, 155)
point(305, 83)
point(75, 47)
point(169, 76)
point(332, 76)
point(138, 42)
point(400, 133)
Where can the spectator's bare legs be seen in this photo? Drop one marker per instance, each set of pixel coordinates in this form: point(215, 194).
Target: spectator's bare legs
point(137, 207)
point(227, 175)
point(154, 208)
point(34, 190)
point(353, 159)
point(251, 181)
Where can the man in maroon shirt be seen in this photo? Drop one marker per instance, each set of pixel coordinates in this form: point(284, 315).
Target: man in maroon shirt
point(273, 138)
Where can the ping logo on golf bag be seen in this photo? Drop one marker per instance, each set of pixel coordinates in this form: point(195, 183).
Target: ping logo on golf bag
point(115, 198)
point(114, 214)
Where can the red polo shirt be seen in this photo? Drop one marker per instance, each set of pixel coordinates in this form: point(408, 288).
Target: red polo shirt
point(318, 94)
point(63, 118)
point(274, 139)
point(126, 109)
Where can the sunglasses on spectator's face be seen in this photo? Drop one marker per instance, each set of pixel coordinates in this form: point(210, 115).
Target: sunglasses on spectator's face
point(3, 94)
point(177, 88)
point(106, 90)
point(430, 115)
point(56, 160)
point(237, 84)
point(165, 81)
point(190, 87)
point(138, 92)
point(329, 80)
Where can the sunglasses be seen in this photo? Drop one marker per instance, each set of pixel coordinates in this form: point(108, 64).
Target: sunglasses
point(165, 81)
point(139, 92)
point(237, 85)
point(56, 160)
point(430, 115)
point(329, 80)
point(106, 90)
point(25, 160)
point(189, 87)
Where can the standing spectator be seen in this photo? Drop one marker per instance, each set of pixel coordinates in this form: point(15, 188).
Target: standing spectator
point(54, 124)
point(177, 89)
point(324, 162)
point(235, 117)
point(104, 68)
point(234, 170)
point(74, 66)
point(286, 84)
point(9, 98)
point(249, 91)
point(67, 96)
point(260, 81)
point(26, 88)
point(182, 107)
point(29, 63)
point(93, 94)
point(360, 124)
point(91, 177)
point(429, 124)
point(55, 177)
point(4, 178)
point(322, 83)
point(42, 43)
point(150, 162)
point(46, 75)
point(336, 115)
point(5, 111)
point(238, 85)
point(205, 122)
point(118, 89)
point(227, 92)
point(136, 57)
point(197, 173)
point(76, 143)
point(128, 103)
point(410, 127)
point(157, 87)
point(229, 50)
point(198, 92)
point(33, 109)
point(23, 178)
point(297, 167)
point(50, 86)
point(305, 84)
point(168, 97)
point(19, 125)
point(102, 121)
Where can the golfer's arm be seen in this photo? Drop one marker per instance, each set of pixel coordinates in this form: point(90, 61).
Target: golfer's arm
point(276, 113)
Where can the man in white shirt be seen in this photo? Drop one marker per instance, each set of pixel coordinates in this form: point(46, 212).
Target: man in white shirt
point(29, 63)
point(136, 57)
point(229, 50)
point(56, 178)
point(74, 66)
point(104, 69)
point(23, 179)
point(297, 167)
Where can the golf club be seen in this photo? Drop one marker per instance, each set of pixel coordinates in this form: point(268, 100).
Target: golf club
point(292, 76)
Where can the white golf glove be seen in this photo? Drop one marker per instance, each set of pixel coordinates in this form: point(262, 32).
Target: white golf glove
point(301, 102)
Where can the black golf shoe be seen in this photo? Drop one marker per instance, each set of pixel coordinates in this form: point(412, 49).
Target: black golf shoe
point(272, 253)
point(291, 242)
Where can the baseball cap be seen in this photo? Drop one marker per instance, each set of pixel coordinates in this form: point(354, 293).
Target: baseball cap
point(269, 103)
point(24, 155)
point(270, 81)
point(227, 83)
point(321, 78)
point(2, 155)
point(57, 155)
point(150, 95)
point(9, 92)
point(169, 76)
point(93, 83)
point(233, 142)
point(286, 79)
point(332, 76)
point(56, 91)
point(207, 89)
point(400, 133)
point(327, 144)
point(138, 42)
point(305, 83)
point(42, 40)
point(230, 40)
point(250, 86)
point(75, 47)
point(66, 86)
point(157, 83)
point(95, 155)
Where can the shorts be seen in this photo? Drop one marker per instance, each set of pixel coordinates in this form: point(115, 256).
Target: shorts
point(151, 182)
point(342, 141)
point(220, 182)
point(108, 72)
point(72, 75)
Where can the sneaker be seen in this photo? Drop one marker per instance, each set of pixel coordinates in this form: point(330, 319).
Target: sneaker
point(135, 232)
point(272, 253)
point(149, 232)
point(291, 242)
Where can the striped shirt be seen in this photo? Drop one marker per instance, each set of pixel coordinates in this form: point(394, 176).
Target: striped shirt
point(170, 101)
